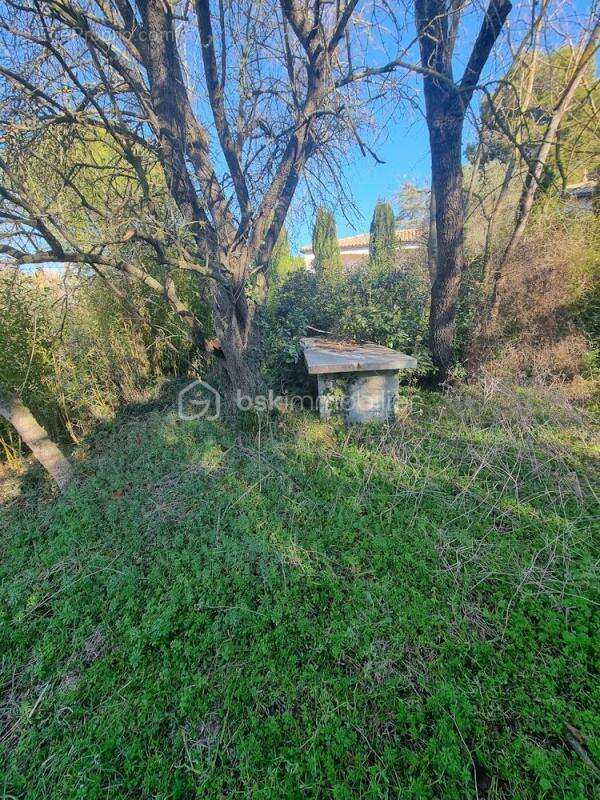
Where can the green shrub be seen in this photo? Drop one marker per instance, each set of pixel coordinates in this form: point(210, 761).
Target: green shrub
point(27, 339)
point(389, 308)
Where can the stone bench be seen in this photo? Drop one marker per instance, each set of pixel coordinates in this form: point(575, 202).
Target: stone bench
point(360, 380)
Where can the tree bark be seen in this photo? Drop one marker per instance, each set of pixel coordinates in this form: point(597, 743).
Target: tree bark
point(36, 439)
point(432, 240)
point(239, 339)
point(447, 180)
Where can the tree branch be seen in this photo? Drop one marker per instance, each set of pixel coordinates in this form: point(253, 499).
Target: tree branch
point(496, 14)
point(216, 97)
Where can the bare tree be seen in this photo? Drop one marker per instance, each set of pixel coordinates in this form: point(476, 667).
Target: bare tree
point(524, 59)
point(230, 101)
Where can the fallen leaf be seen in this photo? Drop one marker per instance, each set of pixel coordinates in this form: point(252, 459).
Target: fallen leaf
point(577, 741)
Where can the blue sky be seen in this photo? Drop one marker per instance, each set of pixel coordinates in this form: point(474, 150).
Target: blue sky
point(402, 140)
point(402, 143)
point(404, 147)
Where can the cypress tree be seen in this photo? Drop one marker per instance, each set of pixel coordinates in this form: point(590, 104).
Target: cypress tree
point(382, 240)
point(328, 260)
point(282, 261)
point(282, 264)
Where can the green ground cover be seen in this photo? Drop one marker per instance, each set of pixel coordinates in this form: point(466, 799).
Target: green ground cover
point(285, 609)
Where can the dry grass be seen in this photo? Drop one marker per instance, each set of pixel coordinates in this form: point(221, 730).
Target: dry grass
point(546, 282)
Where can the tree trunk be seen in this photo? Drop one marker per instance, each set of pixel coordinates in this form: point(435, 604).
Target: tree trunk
point(445, 105)
point(432, 240)
point(36, 439)
point(445, 136)
point(239, 340)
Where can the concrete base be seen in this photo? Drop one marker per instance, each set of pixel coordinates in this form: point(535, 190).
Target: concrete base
point(359, 396)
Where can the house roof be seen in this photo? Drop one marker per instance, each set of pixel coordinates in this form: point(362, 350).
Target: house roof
point(362, 239)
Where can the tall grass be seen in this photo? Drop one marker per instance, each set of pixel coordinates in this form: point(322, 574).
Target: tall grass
point(75, 354)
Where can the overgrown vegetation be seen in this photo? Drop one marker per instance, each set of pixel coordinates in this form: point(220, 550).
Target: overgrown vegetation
point(389, 308)
point(270, 606)
point(304, 611)
point(548, 329)
point(76, 353)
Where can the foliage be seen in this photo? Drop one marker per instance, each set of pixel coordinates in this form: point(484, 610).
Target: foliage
point(74, 344)
point(327, 259)
point(288, 320)
point(586, 298)
point(308, 612)
point(27, 336)
point(72, 171)
point(547, 330)
point(489, 201)
point(413, 205)
point(74, 353)
point(382, 239)
point(577, 149)
point(282, 263)
point(389, 308)
point(548, 325)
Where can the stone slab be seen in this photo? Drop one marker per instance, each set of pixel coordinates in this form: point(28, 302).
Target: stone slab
point(328, 356)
